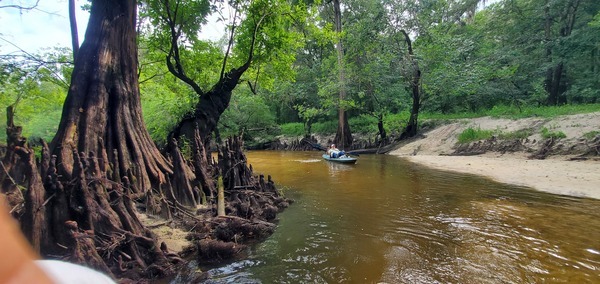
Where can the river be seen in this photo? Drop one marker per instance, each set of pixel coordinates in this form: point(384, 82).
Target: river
point(388, 220)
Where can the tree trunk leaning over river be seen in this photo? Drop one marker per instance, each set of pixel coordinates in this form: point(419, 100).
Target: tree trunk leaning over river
point(214, 102)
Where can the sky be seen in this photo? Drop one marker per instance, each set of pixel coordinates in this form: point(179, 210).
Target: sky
point(47, 26)
point(44, 27)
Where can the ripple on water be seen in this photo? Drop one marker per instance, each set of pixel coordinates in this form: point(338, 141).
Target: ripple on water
point(235, 272)
point(308, 161)
point(384, 220)
point(404, 266)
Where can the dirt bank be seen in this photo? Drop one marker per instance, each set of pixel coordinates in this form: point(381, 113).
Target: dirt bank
point(510, 161)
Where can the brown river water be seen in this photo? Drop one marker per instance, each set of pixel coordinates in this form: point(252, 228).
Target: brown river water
point(386, 220)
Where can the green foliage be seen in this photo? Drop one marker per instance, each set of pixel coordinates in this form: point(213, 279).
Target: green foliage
point(325, 128)
point(474, 134)
point(164, 104)
point(35, 90)
point(502, 55)
point(292, 129)
point(247, 113)
point(547, 134)
point(447, 116)
point(308, 115)
point(395, 123)
point(515, 112)
point(542, 111)
point(42, 125)
point(363, 124)
point(474, 62)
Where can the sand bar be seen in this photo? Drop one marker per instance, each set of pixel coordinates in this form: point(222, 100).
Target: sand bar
point(558, 176)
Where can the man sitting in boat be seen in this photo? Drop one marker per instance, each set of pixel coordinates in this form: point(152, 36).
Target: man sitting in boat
point(335, 152)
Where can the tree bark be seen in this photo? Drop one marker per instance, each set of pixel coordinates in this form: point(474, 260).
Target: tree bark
point(380, 128)
point(554, 82)
point(103, 159)
point(74, 32)
point(213, 103)
point(102, 111)
point(10, 170)
point(103, 155)
point(343, 136)
point(415, 82)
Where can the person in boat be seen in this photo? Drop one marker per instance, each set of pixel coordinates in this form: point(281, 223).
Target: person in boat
point(335, 152)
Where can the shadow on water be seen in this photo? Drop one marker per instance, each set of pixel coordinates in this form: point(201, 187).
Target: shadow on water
point(388, 220)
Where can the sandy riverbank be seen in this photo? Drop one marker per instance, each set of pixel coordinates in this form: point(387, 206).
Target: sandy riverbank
point(557, 174)
point(573, 178)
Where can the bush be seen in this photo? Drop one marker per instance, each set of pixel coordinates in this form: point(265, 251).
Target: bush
point(395, 123)
point(42, 126)
point(292, 129)
point(325, 128)
point(363, 124)
point(471, 134)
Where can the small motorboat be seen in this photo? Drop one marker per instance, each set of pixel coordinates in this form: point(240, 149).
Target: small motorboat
point(345, 159)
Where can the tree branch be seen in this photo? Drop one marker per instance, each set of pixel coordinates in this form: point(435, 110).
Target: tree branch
point(229, 44)
point(177, 69)
point(21, 8)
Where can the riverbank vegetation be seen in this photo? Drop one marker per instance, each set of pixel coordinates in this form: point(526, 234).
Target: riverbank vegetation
point(471, 64)
point(375, 69)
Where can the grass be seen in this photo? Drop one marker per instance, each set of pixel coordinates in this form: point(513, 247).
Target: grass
point(363, 124)
point(513, 112)
point(296, 129)
point(546, 111)
point(474, 134)
point(325, 128)
point(547, 134)
point(292, 129)
point(591, 135)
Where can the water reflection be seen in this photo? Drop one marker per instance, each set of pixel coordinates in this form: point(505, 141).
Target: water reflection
point(335, 169)
point(387, 220)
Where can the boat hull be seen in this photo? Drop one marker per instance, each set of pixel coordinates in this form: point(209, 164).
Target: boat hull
point(343, 160)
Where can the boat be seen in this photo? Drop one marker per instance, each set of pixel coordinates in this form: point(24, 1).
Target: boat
point(344, 159)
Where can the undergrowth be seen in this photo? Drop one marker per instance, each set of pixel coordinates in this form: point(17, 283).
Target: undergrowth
point(474, 134)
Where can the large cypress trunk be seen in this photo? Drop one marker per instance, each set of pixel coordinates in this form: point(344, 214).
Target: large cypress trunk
point(102, 111)
point(103, 156)
point(343, 136)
